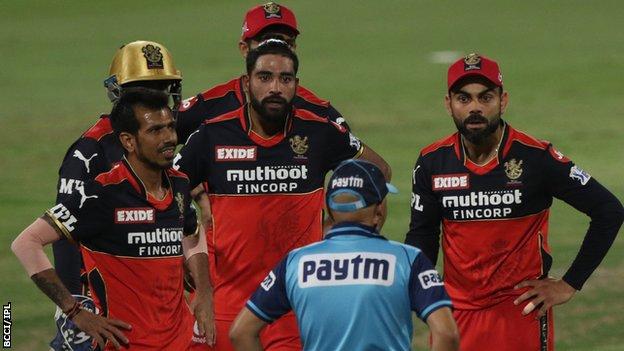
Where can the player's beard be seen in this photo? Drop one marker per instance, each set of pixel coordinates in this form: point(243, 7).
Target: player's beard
point(272, 116)
point(480, 136)
point(154, 163)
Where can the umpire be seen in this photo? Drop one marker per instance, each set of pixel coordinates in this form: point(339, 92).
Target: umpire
point(354, 290)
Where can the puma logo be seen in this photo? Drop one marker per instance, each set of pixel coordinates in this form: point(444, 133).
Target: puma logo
point(77, 154)
point(84, 197)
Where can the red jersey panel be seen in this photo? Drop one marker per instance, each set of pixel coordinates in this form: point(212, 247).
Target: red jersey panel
point(266, 195)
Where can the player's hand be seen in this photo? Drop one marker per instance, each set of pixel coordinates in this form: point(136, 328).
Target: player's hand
point(102, 328)
point(204, 315)
point(544, 294)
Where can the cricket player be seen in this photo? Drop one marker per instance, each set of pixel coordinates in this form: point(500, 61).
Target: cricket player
point(263, 166)
point(355, 290)
point(262, 22)
point(491, 187)
point(136, 64)
point(136, 228)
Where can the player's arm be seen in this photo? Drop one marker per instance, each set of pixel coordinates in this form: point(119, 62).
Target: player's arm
point(268, 303)
point(83, 161)
point(429, 300)
point(576, 187)
point(28, 247)
point(444, 333)
point(424, 229)
point(245, 331)
point(196, 254)
point(371, 156)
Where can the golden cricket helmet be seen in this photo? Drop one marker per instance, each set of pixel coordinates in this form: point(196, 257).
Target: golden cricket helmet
point(144, 64)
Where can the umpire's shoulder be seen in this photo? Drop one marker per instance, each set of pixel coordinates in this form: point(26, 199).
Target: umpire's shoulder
point(411, 252)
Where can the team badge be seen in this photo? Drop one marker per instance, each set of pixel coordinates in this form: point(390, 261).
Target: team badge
point(472, 62)
point(153, 56)
point(180, 200)
point(580, 175)
point(513, 169)
point(299, 145)
point(272, 10)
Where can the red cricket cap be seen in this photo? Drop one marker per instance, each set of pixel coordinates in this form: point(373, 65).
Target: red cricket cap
point(474, 65)
point(262, 16)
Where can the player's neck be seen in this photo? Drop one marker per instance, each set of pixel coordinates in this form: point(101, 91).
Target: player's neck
point(486, 151)
point(150, 176)
point(262, 126)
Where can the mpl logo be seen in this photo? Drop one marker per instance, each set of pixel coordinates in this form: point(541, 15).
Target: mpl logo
point(353, 268)
point(134, 215)
point(68, 185)
point(235, 153)
point(450, 181)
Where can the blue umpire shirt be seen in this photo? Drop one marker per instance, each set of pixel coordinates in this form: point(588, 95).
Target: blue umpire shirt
point(355, 290)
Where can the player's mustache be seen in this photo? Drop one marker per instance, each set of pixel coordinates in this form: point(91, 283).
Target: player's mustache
point(274, 99)
point(167, 146)
point(475, 118)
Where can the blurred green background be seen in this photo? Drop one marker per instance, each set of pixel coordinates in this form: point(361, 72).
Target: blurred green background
point(377, 61)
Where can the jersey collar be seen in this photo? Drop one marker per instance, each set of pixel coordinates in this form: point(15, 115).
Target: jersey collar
point(265, 142)
point(490, 165)
point(353, 228)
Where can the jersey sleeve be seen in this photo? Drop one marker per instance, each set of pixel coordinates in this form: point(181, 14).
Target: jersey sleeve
point(341, 145)
point(426, 214)
point(270, 300)
point(191, 225)
point(426, 288)
point(83, 214)
point(83, 161)
point(190, 116)
point(570, 183)
point(191, 160)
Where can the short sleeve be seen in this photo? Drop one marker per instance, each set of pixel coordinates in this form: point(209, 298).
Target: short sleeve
point(83, 161)
point(83, 214)
point(191, 158)
point(270, 300)
point(342, 145)
point(426, 289)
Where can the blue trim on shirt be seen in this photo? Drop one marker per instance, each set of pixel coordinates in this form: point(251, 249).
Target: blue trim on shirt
point(258, 312)
point(353, 228)
point(427, 311)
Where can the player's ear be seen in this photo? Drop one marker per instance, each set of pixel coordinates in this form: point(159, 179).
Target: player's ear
point(504, 101)
point(243, 47)
point(128, 141)
point(447, 103)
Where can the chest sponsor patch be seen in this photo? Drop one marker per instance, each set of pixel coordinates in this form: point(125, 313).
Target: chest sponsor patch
point(353, 268)
point(236, 153)
point(134, 215)
point(450, 181)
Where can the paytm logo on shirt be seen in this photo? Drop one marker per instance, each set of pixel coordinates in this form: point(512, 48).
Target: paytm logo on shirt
point(353, 268)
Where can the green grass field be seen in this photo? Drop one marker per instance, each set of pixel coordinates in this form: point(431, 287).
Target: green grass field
point(562, 63)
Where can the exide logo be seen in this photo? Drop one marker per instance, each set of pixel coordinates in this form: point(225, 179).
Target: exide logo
point(236, 153)
point(450, 181)
point(134, 215)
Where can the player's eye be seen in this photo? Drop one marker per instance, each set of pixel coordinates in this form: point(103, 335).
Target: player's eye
point(487, 98)
point(264, 77)
point(463, 98)
point(287, 79)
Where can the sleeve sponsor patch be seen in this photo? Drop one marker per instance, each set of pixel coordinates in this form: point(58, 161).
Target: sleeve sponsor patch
point(579, 174)
point(430, 278)
point(268, 282)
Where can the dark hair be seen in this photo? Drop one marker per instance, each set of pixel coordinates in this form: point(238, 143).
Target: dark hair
point(122, 116)
point(274, 31)
point(455, 88)
point(271, 47)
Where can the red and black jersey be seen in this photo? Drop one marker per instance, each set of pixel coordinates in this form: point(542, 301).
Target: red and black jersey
point(229, 96)
point(132, 253)
point(266, 195)
point(495, 216)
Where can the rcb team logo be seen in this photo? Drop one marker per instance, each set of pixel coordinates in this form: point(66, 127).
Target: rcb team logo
point(299, 145)
point(271, 10)
point(513, 169)
point(153, 56)
point(472, 61)
point(180, 200)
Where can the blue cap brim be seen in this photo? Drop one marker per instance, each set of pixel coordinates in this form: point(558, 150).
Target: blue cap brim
point(392, 189)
